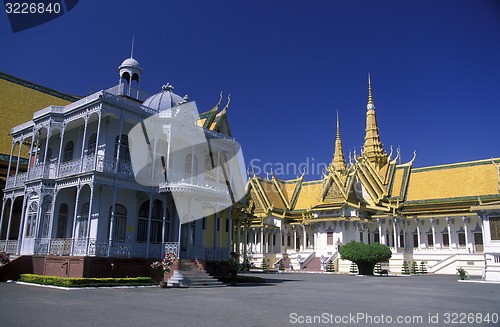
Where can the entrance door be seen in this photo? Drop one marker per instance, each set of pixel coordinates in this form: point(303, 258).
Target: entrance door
point(28, 242)
point(297, 240)
point(478, 242)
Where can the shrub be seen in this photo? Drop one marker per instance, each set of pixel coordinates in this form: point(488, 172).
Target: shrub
point(378, 268)
point(264, 264)
point(85, 282)
point(414, 268)
point(423, 269)
point(405, 269)
point(330, 267)
point(365, 255)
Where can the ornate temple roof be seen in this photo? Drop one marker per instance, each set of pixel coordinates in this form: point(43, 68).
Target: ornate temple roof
point(379, 185)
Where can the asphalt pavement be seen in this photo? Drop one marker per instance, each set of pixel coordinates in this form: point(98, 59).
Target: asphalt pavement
point(285, 300)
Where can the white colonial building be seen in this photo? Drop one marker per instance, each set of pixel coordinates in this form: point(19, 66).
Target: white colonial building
point(80, 197)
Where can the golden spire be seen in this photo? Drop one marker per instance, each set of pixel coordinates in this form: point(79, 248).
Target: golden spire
point(338, 162)
point(370, 98)
point(373, 148)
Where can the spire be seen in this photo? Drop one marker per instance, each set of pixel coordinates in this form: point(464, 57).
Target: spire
point(132, 51)
point(338, 162)
point(373, 148)
point(371, 104)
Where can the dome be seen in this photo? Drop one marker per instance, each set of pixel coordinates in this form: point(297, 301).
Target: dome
point(130, 63)
point(164, 100)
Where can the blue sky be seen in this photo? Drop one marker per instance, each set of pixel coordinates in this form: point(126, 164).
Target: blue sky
point(289, 65)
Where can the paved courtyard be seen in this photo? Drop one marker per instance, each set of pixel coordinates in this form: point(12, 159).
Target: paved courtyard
point(287, 299)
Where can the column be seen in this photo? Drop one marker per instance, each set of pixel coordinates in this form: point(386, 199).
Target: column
point(8, 224)
point(395, 232)
point(20, 234)
point(380, 239)
point(89, 220)
point(448, 221)
point(262, 240)
point(149, 222)
point(418, 233)
point(73, 235)
point(61, 142)
point(29, 155)
point(245, 238)
point(83, 144)
point(97, 140)
point(49, 131)
point(52, 211)
point(465, 220)
point(433, 233)
point(18, 159)
point(303, 241)
point(294, 238)
point(10, 157)
point(119, 145)
point(1, 217)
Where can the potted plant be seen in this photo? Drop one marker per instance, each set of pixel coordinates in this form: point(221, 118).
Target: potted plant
point(462, 273)
point(234, 266)
point(165, 263)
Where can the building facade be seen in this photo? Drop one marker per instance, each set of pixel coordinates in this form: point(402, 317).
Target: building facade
point(442, 216)
point(79, 195)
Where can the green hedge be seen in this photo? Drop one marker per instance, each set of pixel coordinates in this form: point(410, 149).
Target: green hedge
point(85, 282)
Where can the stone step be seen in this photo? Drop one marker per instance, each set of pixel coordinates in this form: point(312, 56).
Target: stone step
point(190, 275)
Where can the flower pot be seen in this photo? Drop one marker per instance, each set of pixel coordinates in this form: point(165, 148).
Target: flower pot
point(163, 284)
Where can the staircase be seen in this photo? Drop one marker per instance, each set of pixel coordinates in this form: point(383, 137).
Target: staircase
point(191, 275)
point(313, 265)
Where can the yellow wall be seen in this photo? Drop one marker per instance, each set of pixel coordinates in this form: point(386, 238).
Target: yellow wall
point(17, 105)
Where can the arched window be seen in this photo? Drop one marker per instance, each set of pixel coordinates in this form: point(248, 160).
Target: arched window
point(119, 222)
point(124, 148)
point(62, 221)
point(68, 151)
point(91, 144)
point(46, 213)
point(191, 167)
point(83, 219)
point(31, 219)
point(156, 222)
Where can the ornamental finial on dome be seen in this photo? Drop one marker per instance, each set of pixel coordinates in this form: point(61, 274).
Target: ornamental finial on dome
point(370, 97)
point(167, 87)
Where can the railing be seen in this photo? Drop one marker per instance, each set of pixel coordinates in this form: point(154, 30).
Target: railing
point(91, 247)
point(306, 261)
point(9, 246)
point(68, 168)
point(438, 250)
point(203, 253)
point(133, 92)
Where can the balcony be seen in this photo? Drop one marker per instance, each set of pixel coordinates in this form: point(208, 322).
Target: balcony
point(92, 247)
point(70, 168)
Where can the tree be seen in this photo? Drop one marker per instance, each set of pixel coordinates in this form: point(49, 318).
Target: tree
point(365, 255)
point(405, 270)
point(378, 268)
point(330, 267)
point(423, 269)
point(414, 268)
point(353, 269)
point(264, 264)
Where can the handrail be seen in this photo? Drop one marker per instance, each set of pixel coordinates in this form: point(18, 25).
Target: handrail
point(308, 259)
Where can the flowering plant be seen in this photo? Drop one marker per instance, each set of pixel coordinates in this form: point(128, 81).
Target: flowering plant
point(165, 263)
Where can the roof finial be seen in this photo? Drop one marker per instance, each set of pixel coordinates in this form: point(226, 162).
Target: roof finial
point(370, 97)
point(338, 125)
point(132, 51)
